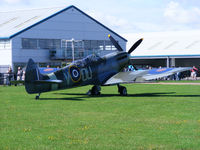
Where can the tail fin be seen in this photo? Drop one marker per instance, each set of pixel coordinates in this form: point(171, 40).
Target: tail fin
point(36, 82)
point(32, 74)
point(32, 71)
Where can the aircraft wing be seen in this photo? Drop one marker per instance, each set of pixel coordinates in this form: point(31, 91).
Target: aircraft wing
point(143, 75)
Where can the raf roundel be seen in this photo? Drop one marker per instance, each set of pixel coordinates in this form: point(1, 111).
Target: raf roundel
point(74, 73)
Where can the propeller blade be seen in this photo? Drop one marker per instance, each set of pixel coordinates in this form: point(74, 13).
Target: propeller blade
point(135, 45)
point(135, 67)
point(114, 42)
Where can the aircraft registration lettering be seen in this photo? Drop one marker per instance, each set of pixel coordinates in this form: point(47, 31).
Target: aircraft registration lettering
point(67, 78)
point(86, 73)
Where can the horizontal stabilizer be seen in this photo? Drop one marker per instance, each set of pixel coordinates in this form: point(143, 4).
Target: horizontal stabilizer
point(49, 81)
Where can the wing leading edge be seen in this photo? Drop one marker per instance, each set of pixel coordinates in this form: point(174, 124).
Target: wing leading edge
point(143, 75)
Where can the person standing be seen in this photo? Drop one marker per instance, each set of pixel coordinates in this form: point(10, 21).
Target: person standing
point(194, 73)
point(10, 74)
point(19, 73)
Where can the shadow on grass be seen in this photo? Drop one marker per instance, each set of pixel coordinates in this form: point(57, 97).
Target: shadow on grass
point(82, 96)
point(64, 99)
point(158, 94)
point(129, 95)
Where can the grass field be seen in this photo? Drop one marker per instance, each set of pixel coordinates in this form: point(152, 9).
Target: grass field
point(151, 117)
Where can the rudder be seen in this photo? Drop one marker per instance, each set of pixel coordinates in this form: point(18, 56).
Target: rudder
point(32, 74)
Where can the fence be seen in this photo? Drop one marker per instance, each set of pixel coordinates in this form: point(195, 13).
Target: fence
point(5, 78)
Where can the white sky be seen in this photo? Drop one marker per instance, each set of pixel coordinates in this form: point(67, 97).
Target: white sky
point(129, 16)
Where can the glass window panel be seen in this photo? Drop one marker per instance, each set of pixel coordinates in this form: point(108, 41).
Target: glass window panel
point(101, 45)
point(87, 45)
point(69, 44)
point(49, 44)
point(108, 45)
point(63, 43)
point(29, 43)
point(94, 44)
point(78, 44)
point(57, 44)
point(113, 47)
point(42, 44)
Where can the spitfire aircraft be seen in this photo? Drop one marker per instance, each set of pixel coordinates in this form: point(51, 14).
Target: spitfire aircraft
point(92, 70)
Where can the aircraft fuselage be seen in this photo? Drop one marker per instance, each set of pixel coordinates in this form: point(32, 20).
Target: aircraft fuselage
point(92, 70)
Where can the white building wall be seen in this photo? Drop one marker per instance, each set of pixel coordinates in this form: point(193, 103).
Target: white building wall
point(5, 54)
point(66, 25)
point(5, 57)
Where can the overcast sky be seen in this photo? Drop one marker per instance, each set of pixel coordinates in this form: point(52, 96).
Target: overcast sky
point(129, 16)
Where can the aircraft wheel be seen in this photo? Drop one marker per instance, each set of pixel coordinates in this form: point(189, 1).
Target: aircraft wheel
point(37, 97)
point(95, 90)
point(122, 90)
point(89, 92)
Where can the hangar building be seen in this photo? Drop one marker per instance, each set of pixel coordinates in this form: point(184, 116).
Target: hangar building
point(51, 36)
point(167, 49)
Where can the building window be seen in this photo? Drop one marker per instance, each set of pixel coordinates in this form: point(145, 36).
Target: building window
point(108, 45)
point(5, 44)
point(101, 45)
point(94, 45)
point(53, 44)
point(87, 44)
point(49, 44)
point(29, 43)
point(98, 45)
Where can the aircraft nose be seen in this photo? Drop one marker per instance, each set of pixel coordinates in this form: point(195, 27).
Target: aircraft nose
point(122, 57)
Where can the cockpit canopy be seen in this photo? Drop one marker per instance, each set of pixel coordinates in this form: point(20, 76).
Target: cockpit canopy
point(89, 59)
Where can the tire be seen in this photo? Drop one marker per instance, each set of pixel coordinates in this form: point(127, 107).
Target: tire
point(123, 91)
point(95, 90)
point(37, 97)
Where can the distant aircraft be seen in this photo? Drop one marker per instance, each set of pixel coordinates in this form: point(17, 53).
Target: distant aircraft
point(92, 70)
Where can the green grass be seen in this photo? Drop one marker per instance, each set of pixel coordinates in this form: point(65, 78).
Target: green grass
point(152, 117)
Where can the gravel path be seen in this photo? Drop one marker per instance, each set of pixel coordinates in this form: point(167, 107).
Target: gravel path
point(174, 83)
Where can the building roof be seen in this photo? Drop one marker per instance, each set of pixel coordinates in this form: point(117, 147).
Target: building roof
point(167, 44)
point(16, 22)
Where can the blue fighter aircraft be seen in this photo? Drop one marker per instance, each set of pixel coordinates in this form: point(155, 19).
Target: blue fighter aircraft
point(92, 70)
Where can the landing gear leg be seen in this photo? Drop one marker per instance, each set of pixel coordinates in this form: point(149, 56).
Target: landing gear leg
point(95, 90)
point(122, 90)
point(37, 96)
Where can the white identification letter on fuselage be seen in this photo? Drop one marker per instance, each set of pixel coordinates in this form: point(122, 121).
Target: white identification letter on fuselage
point(86, 73)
